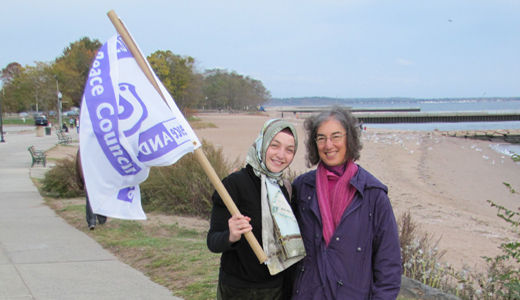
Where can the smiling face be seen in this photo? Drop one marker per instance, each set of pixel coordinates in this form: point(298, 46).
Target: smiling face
point(333, 146)
point(280, 152)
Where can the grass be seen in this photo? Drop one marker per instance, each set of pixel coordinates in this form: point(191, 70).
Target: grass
point(16, 121)
point(170, 254)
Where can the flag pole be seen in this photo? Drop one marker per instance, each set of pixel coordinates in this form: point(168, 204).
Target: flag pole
point(199, 154)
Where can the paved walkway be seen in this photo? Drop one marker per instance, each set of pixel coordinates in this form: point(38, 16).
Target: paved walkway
point(41, 256)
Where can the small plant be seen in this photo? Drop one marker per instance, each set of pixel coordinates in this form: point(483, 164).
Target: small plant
point(505, 268)
point(60, 181)
point(420, 254)
point(511, 189)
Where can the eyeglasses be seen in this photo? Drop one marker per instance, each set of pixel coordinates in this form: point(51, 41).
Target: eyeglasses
point(336, 138)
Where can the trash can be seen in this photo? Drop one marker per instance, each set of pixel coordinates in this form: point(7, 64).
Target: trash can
point(48, 130)
point(39, 131)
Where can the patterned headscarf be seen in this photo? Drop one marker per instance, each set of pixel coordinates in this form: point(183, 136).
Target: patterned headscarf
point(256, 154)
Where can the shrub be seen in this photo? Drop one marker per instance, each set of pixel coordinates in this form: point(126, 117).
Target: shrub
point(500, 281)
point(504, 270)
point(184, 187)
point(60, 181)
point(420, 254)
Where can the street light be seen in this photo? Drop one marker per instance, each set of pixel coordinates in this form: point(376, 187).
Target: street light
point(1, 120)
point(58, 93)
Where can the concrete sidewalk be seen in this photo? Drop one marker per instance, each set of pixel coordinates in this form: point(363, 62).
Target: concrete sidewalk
point(41, 256)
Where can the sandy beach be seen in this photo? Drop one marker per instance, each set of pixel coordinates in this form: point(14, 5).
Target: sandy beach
point(443, 181)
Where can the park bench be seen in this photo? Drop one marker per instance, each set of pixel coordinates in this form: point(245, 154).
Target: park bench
point(38, 156)
point(63, 138)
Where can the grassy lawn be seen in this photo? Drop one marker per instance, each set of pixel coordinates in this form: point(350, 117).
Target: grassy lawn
point(170, 253)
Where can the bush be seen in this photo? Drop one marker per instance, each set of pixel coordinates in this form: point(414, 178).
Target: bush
point(420, 254)
point(60, 181)
point(420, 258)
point(504, 270)
point(184, 188)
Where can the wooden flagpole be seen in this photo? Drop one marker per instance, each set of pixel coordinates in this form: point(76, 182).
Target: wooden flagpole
point(199, 154)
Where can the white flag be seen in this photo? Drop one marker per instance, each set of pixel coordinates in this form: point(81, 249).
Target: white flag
point(126, 127)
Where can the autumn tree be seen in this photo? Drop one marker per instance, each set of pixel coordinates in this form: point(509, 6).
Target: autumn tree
point(30, 88)
point(35, 87)
point(10, 72)
point(179, 76)
point(8, 75)
point(72, 67)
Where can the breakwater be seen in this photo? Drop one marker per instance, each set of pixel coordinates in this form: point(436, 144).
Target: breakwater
point(437, 117)
point(504, 135)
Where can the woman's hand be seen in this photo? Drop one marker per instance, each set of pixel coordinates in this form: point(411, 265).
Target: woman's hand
point(238, 225)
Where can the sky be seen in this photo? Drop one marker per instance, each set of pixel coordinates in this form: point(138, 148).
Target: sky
point(304, 48)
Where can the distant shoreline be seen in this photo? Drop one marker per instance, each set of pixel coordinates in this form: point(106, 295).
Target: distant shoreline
point(328, 101)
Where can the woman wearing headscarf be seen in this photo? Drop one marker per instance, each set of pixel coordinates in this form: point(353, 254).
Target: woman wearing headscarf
point(345, 216)
point(261, 196)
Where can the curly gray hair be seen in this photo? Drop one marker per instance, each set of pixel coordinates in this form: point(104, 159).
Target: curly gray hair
point(347, 120)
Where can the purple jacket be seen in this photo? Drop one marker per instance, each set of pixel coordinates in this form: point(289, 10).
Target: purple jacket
point(363, 258)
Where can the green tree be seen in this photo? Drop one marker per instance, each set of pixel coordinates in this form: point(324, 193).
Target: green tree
point(8, 75)
point(229, 90)
point(72, 67)
point(30, 88)
point(179, 76)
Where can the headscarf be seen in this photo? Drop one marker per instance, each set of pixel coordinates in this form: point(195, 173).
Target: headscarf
point(281, 238)
point(256, 154)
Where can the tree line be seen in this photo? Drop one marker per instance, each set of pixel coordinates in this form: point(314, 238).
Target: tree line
point(36, 88)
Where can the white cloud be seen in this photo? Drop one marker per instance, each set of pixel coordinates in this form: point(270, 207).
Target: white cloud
point(404, 62)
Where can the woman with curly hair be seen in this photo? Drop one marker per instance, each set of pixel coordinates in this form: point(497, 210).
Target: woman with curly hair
point(345, 217)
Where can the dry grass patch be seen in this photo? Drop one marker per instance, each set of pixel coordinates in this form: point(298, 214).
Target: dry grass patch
point(171, 253)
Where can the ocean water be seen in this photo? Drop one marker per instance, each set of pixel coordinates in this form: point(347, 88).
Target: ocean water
point(441, 105)
point(449, 126)
point(477, 105)
point(454, 105)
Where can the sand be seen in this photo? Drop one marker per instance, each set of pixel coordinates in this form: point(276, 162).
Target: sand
point(443, 181)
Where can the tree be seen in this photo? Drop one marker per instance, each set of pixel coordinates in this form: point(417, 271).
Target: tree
point(10, 71)
point(72, 67)
point(229, 90)
point(178, 76)
point(31, 88)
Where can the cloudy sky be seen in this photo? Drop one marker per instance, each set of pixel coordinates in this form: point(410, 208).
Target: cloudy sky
point(332, 48)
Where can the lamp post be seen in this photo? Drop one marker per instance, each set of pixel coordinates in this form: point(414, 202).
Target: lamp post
point(1, 120)
point(58, 94)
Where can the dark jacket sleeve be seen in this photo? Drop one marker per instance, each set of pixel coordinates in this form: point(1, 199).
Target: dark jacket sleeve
point(218, 234)
point(386, 252)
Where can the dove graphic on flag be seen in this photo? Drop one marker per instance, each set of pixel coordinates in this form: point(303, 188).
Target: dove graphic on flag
point(126, 128)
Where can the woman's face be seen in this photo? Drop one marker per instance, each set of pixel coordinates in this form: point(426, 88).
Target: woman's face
point(331, 140)
point(280, 152)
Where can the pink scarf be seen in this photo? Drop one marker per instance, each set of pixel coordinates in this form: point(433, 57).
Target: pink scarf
point(335, 193)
